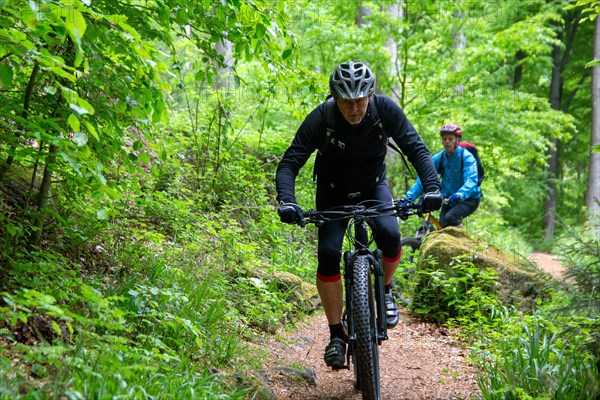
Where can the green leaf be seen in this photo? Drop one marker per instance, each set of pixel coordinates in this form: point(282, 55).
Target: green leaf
point(260, 31)
point(102, 214)
point(74, 122)
point(596, 149)
point(91, 130)
point(137, 145)
point(83, 103)
point(159, 111)
point(80, 138)
point(286, 53)
point(592, 63)
point(63, 74)
point(144, 158)
point(76, 25)
point(120, 107)
point(11, 229)
point(6, 76)
point(182, 16)
point(77, 109)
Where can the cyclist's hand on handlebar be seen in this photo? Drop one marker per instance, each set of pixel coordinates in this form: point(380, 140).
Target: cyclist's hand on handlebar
point(455, 198)
point(291, 213)
point(432, 201)
point(404, 202)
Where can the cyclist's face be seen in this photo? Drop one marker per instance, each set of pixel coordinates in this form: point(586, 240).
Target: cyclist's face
point(353, 110)
point(450, 142)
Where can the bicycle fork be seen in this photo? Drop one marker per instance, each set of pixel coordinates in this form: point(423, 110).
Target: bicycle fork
point(377, 270)
point(375, 263)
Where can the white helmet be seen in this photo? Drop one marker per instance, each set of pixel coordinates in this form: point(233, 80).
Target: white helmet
point(351, 80)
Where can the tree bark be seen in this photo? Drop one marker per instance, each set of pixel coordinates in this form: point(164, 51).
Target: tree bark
point(459, 43)
point(396, 11)
point(43, 198)
point(225, 78)
point(593, 189)
point(559, 62)
point(518, 75)
point(363, 12)
point(552, 168)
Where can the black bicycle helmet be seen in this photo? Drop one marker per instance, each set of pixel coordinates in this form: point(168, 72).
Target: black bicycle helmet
point(451, 128)
point(351, 80)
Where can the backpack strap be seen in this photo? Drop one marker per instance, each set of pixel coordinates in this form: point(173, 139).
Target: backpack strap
point(376, 121)
point(329, 131)
point(330, 120)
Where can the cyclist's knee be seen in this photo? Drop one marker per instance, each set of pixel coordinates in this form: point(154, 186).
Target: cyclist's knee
point(329, 262)
point(450, 220)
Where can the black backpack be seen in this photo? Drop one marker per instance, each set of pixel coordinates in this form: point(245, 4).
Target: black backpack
point(374, 120)
point(473, 150)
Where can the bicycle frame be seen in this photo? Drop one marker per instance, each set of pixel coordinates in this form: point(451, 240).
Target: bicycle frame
point(429, 224)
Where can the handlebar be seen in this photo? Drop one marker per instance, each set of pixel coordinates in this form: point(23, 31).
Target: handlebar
point(398, 208)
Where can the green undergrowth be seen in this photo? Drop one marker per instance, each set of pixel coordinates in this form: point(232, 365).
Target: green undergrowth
point(549, 352)
point(161, 308)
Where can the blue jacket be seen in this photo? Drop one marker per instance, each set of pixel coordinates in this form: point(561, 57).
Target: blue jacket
point(453, 180)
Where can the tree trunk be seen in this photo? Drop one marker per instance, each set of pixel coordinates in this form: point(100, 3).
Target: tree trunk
point(518, 75)
point(396, 11)
point(225, 78)
point(552, 169)
point(363, 12)
point(26, 102)
point(593, 189)
point(43, 198)
point(559, 62)
point(459, 43)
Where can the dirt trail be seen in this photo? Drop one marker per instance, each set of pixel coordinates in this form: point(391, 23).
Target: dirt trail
point(549, 263)
point(419, 361)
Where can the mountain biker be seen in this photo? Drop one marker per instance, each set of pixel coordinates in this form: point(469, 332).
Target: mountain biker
point(352, 170)
point(458, 168)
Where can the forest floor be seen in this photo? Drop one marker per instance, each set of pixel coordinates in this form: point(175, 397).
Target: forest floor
point(419, 361)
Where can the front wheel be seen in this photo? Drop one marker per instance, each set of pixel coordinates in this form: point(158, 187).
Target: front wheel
point(365, 352)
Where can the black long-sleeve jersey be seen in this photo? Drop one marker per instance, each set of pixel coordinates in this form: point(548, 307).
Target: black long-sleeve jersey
point(355, 158)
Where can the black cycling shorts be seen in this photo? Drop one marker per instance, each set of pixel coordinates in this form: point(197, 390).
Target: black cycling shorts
point(453, 215)
point(331, 234)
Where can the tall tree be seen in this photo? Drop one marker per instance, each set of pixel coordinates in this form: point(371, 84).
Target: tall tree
point(396, 13)
point(561, 53)
point(459, 43)
point(593, 189)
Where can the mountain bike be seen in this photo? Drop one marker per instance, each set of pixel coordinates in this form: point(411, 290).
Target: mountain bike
point(411, 244)
point(365, 316)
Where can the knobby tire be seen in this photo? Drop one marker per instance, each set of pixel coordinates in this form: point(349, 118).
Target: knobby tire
point(413, 244)
point(366, 356)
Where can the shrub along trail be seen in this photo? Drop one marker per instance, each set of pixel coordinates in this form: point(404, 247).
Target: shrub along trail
point(419, 361)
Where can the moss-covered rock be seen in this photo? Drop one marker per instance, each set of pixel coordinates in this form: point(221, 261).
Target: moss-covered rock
point(302, 294)
point(520, 283)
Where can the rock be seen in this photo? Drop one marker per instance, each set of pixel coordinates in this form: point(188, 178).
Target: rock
point(304, 295)
point(519, 282)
